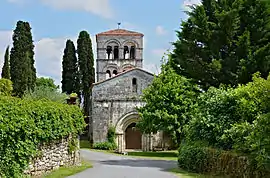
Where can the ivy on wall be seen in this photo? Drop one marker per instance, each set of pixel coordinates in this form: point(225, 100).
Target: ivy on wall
point(25, 124)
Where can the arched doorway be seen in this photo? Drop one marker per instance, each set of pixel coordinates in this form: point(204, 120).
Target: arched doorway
point(133, 137)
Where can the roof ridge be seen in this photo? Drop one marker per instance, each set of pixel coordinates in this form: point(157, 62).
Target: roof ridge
point(120, 32)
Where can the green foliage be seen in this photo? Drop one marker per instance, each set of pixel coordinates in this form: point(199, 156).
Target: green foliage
point(86, 68)
point(235, 119)
point(110, 144)
point(46, 82)
point(6, 68)
point(72, 144)
point(224, 42)
point(70, 79)
point(5, 87)
point(104, 146)
point(169, 103)
point(73, 95)
point(22, 70)
point(111, 134)
point(46, 93)
point(202, 159)
point(25, 124)
point(218, 109)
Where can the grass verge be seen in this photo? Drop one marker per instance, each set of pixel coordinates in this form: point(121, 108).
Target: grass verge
point(160, 155)
point(184, 174)
point(68, 171)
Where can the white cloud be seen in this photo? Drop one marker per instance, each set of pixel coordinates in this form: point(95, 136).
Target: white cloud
point(160, 30)
point(48, 54)
point(187, 3)
point(98, 7)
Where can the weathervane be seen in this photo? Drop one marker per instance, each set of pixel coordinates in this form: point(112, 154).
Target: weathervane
point(118, 24)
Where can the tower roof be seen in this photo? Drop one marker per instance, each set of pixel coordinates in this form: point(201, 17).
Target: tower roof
point(119, 32)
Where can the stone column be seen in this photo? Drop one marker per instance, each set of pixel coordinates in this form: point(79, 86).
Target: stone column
point(121, 53)
point(120, 142)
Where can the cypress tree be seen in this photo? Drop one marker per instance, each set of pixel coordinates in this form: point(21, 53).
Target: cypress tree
point(6, 68)
point(86, 69)
point(22, 70)
point(224, 42)
point(70, 69)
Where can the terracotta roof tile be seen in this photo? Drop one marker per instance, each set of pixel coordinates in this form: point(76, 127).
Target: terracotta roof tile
point(117, 32)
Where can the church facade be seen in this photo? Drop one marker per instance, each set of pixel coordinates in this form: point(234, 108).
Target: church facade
point(116, 94)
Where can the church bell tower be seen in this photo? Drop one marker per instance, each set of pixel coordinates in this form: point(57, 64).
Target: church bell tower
point(118, 51)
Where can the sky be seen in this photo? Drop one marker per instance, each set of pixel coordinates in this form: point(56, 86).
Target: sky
point(55, 21)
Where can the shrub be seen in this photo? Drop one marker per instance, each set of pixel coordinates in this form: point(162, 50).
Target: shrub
point(202, 159)
point(105, 146)
point(111, 135)
point(110, 144)
point(5, 87)
point(47, 93)
point(220, 109)
point(25, 124)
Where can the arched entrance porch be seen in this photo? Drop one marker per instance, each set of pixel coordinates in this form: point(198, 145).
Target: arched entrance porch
point(125, 134)
point(133, 137)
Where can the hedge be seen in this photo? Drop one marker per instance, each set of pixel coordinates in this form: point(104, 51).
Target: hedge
point(25, 124)
point(202, 159)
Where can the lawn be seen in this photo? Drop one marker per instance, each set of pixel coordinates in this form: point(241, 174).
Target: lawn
point(161, 155)
point(68, 171)
point(184, 174)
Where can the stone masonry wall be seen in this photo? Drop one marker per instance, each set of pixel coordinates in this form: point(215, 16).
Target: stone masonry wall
point(52, 156)
point(114, 98)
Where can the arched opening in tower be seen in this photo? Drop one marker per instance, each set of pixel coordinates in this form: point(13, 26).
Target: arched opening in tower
point(114, 73)
point(116, 52)
point(132, 52)
point(126, 52)
point(109, 52)
point(108, 74)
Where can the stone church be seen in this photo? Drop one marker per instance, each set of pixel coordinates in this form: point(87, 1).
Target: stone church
point(116, 94)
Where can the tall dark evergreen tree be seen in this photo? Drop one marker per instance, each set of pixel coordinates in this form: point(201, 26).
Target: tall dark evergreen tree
point(6, 68)
point(224, 42)
point(22, 70)
point(70, 83)
point(86, 69)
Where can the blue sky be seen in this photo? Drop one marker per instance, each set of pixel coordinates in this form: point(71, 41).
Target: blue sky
point(55, 21)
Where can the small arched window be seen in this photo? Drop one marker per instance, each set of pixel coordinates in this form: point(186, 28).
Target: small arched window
point(109, 52)
point(134, 85)
point(108, 74)
point(114, 73)
point(132, 52)
point(116, 52)
point(126, 52)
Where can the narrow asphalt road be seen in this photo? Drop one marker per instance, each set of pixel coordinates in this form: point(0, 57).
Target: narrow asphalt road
point(113, 166)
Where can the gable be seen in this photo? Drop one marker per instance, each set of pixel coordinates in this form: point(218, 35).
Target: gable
point(126, 85)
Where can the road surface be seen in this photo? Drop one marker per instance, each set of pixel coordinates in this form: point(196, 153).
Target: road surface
point(112, 166)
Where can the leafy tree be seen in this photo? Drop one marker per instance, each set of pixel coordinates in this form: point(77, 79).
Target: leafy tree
point(5, 87)
point(46, 82)
point(226, 117)
point(224, 42)
point(169, 102)
point(6, 68)
point(47, 93)
point(70, 80)
point(86, 69)
point(22, 70)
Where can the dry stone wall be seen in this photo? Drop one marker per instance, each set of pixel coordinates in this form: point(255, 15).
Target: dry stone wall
point(52, 156)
